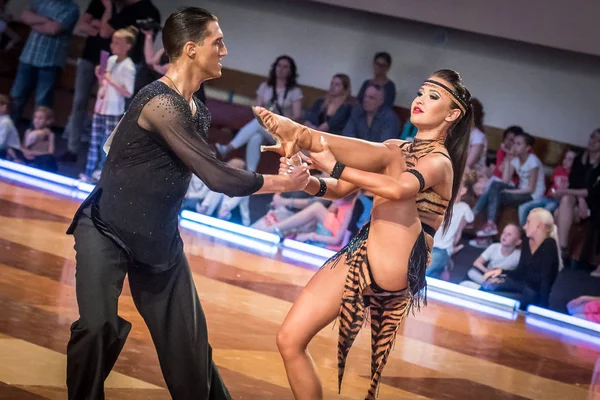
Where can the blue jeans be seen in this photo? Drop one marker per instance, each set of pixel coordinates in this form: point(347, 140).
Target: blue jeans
point(28, 78)
point(548, 203)
point(439, 259)
point(494, 196)
point(84, 81)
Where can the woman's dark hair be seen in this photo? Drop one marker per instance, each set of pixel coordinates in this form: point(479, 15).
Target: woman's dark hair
point(385, 56)
point(291, 81)
point(514, 129)
point(186, 24)
point(478, 114)
point(529, 140)
point(458, 138)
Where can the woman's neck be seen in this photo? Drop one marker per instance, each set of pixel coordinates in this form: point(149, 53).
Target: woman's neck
point(121, 58)
point(380, 79)
point(281, 83)
point(535, 241)
point(431, 134)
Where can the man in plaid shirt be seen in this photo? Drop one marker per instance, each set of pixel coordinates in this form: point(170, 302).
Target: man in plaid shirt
point(52, 23)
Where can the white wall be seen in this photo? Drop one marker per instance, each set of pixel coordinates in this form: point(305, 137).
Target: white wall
point(563, 24)
point(551, 93)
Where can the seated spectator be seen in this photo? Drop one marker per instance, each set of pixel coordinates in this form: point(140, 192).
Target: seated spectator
point(332, 223)
point(284, 205)
point(531, 184)
point(9, 137)
point(115, 86)
point(279, 94)
point(504, 255)
point(37, 149)
point(5, 18)
point(44, 54)
point(508, 138)
point(225, 204)
point(195, 193)
point(539, 264)
point(585, 307)
point(372, 120)
point(330, 113)
point(581, 200)
point(381, 66)
point(478, 141)
point(445, 241)
point(409, 131)
point(560, 182)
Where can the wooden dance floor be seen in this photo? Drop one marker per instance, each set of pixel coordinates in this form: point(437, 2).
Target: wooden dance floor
point(444, 352)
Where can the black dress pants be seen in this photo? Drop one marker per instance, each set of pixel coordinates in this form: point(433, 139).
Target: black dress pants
point(167, 301)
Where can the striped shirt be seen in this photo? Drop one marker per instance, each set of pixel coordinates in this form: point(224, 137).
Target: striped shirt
point(51, 51)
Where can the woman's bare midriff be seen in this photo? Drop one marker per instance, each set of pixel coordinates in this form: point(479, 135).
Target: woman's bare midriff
point(395, 226)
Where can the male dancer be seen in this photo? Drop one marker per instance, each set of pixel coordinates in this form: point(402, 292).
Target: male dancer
point(128, 224)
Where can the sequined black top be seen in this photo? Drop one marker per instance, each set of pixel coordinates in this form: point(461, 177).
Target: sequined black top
point(157, 146)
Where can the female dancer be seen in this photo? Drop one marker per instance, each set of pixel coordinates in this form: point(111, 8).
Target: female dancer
point(373, 273)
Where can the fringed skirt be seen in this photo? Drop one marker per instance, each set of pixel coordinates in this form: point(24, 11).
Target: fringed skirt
point(386, 310)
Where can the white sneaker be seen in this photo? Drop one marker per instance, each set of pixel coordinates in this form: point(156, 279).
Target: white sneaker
point(480, 243)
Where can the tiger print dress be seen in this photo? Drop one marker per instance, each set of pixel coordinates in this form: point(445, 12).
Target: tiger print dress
point(385, 310)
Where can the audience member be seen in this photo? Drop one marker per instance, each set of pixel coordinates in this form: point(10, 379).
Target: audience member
point(37, 149)
point(381, 66)
point(372, 120)
point(580, 200)
point(196, 192)
point(115, 85)
point(330, 113)
point(331, 223)
point(52, 23)
point(585, 307)
point(281, 95)
point(138, 13)
point(478, 141)
point(445, 241)
point(89, 26)
point(560, 182)
point(508, 138)
point(5, 18)
point(504, 255)
point(9, 137)
point(538, 267)
point(531, 184)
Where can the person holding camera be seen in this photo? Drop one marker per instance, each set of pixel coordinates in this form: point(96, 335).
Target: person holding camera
point(280, 94)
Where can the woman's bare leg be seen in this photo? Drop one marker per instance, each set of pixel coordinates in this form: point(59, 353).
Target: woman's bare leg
point(356, 153)
point(566, 215)
point(316, 307)
point(316, 212)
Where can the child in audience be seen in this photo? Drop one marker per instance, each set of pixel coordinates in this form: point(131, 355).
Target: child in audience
point(504, 255)
point(560, 182)
point(37, 149)
point(531, 184)
point(445, 242)
point(115, 85)
point(9, 137)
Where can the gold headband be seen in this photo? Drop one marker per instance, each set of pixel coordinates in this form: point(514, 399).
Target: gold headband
point(448, 92)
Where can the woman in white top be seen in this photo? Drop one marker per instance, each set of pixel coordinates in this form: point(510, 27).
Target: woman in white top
point(115, 84)
point(478, 143)
point(279, 94)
